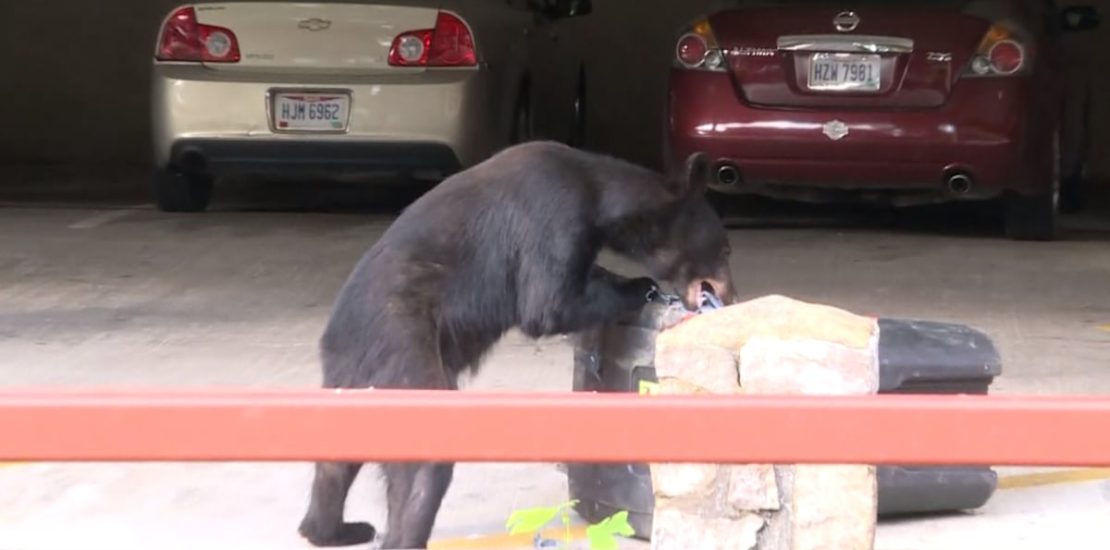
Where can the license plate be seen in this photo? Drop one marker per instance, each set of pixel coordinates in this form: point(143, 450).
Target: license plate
point(843, 72)
point(303, 112)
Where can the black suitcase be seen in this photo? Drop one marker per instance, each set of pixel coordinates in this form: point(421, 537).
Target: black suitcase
point(914, 357)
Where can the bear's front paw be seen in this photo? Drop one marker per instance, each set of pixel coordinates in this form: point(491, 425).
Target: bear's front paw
point(640, 290)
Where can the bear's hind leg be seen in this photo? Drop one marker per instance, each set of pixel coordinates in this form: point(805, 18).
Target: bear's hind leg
point(415, 491)
point(323, 524)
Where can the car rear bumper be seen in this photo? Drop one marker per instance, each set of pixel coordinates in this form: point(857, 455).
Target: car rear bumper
point(220, 157)
point(435, 122)
point(982, 132)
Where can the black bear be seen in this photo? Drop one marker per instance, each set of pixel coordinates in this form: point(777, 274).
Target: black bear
point(510, 242)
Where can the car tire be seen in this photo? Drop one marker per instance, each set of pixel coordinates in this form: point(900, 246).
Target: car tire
point(179, 192)
point(1031, 218)
point(1071, 192)
point(1036, 217)
point(1072, 197)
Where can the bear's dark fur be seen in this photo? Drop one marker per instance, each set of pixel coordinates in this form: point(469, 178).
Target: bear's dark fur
point(510, 242)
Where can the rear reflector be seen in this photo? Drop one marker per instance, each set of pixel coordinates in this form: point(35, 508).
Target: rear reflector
point(410, 49)
point(449, 44)
point(183, 39)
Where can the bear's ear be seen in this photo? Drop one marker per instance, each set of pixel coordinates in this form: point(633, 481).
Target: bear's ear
point(696, 174)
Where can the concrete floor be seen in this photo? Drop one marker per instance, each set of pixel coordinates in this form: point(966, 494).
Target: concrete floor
point(101, 289)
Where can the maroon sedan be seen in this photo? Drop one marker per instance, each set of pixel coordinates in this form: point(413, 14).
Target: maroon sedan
point(905, 101)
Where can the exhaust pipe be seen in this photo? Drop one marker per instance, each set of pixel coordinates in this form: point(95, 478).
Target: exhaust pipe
point(959, 183)
point(727, 174)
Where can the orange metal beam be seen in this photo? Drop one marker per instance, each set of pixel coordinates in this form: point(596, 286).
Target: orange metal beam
point(384, 425)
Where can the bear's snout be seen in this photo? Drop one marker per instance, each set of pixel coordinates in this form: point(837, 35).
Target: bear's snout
point(720, 284)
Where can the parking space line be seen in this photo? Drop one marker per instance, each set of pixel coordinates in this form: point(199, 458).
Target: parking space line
point(100, 219)
point(1060, 477)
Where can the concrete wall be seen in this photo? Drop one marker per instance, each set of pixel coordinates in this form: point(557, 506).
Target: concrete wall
point(74, 84)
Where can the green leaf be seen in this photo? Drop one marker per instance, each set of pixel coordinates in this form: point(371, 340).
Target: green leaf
point(533, 519)
point(600, 539)
point(530, 520)
point(618, 524)
point(601, 535)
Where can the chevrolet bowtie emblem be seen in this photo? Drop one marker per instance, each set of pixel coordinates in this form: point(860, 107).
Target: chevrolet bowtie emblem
point(314, 24)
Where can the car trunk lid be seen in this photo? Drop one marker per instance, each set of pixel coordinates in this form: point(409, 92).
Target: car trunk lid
point(316, 37)
point(908, 55)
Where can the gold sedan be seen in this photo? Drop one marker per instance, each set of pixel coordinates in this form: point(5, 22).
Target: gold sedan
point(419, 87)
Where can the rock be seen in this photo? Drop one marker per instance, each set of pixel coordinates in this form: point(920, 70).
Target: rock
point(778, 532)
point(752, 487)
point(681, 479)
point(771, 317)
point(674, 528)
point(771, 345)
point(678, 386)
point(710, 368)
point(834, 507)
point(773, 366)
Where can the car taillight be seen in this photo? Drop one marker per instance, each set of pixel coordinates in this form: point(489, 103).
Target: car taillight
point(691, 50)
point(183, 39)
point(697, 49)
point(449, 44)
point(1000, 53)
point(1006, 57)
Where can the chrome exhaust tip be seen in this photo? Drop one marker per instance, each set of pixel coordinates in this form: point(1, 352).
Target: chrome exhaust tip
point(727, 174)
point(959, 183)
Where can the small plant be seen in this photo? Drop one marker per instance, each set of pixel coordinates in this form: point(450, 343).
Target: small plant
point(600, 536)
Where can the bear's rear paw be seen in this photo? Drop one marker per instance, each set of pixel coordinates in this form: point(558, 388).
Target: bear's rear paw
point(347, 534)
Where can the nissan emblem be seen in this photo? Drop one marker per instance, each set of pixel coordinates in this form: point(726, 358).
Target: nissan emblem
point(846, 21)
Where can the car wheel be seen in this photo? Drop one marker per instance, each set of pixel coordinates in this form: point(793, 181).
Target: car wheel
point(1036, 217)
point(1071, 187)
point(179, 192)
point(1071, 191)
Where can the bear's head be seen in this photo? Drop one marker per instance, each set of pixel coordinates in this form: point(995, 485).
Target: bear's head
point(682, 240)
point(694, 251)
